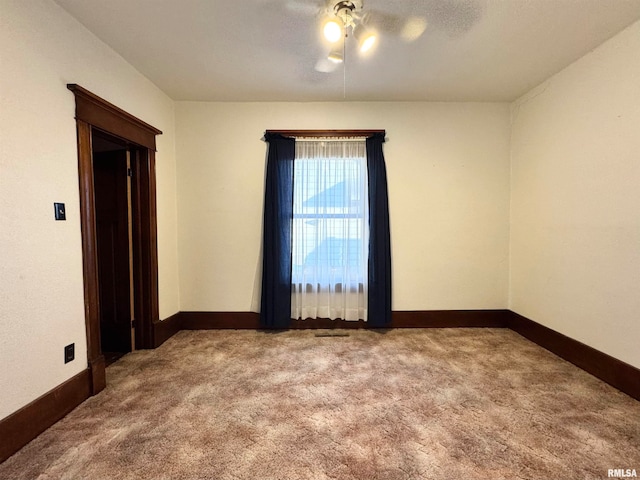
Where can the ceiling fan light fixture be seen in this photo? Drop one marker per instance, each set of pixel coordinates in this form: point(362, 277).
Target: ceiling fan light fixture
point(336, 56)
point(367, 43)
point(366, 38)
point(332, 30)
point(344, 11)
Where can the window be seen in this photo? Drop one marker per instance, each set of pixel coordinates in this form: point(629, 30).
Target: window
point(349, 229)
point(330, 233)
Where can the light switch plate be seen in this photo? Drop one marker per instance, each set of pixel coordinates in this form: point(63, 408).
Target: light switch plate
point(59, 211)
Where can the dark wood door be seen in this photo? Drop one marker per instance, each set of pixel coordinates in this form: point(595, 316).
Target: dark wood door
point(112, 230)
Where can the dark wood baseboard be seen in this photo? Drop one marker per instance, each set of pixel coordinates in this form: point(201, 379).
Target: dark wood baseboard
point(616, 373)
point(399, 319)
point(251, 321)
point(449, 318)
point(167, 328)
point(219, 320)
point(21, 427)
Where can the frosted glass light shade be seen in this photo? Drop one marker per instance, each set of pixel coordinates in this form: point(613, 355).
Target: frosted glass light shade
point(367, 42)
point(366, 38)
point(332, 31)
point(336, 56)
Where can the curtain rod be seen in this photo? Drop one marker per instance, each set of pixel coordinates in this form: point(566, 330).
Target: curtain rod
point(325, 133)
point(330, 139)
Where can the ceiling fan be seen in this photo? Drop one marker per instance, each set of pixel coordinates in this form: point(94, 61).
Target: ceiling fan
point(341, 20)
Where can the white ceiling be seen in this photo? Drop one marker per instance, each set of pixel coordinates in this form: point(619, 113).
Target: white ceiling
point(266, 50)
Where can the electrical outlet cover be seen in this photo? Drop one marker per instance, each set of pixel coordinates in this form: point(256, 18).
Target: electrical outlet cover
point(69, 353)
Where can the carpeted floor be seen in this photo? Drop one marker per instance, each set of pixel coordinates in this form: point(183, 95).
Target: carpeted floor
point(406, 404)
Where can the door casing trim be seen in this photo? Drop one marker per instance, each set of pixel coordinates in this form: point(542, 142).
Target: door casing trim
point(93, 112)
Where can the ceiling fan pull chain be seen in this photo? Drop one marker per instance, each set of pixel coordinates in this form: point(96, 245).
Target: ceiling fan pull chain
point(344, 66)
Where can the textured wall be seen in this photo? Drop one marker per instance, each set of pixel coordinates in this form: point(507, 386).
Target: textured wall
point(575, 237)
point(41, 293)
point(448, 170)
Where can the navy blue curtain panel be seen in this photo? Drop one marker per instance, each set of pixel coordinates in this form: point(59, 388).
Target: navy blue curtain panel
point(379, 301)
point(275, 305)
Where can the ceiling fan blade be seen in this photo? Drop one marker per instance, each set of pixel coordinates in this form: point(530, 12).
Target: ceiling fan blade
point(296, 7)
point(309, 8)
point(408, 28)
point(324, 65)
point(413, 28)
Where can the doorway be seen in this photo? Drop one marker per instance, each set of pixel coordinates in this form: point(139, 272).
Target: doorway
point(114, 235)
point(97, 119)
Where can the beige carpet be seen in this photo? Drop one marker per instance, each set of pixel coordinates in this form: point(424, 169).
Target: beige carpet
point(406, 404)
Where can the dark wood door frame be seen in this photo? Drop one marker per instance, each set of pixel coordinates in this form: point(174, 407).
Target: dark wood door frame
point(92, 112)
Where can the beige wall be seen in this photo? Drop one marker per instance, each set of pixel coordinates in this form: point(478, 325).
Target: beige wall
point(575, 234)
point(41, 293)
point(448, 170)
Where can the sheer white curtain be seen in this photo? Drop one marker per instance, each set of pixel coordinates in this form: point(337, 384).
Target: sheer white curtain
point(330, 229)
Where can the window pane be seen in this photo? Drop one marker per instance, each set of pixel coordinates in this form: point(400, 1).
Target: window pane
point(330, 229)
